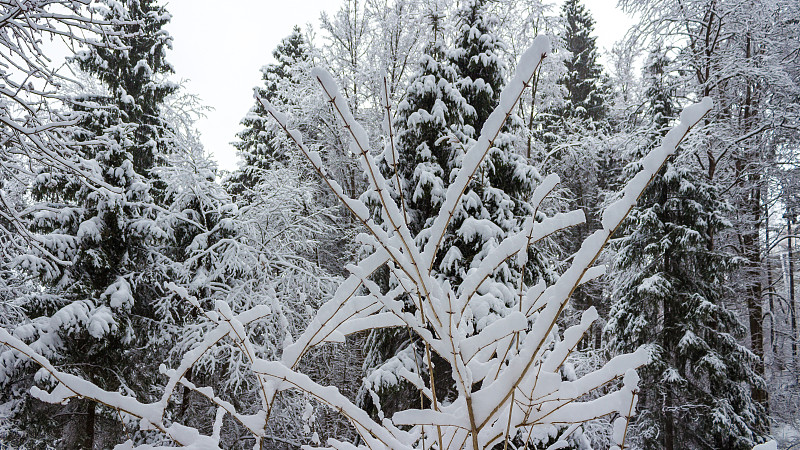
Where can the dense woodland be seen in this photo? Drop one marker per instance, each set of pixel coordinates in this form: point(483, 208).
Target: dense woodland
point(406, 258)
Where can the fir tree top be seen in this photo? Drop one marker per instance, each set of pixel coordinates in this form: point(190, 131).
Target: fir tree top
point(428, 121)
point(259, 145)
point(289, 51)
point(136, 76)
point(477, 59)
point(584, 75)
point(659, 90)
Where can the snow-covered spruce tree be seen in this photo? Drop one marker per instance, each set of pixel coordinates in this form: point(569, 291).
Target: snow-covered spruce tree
point(275, 189)
point(448, 101)
point(135, 77)
point(36, 125)
point(84, 319)
point(428, 120)
point(697, 390)
point(507, 375)
point(95, 311)
point(476, 57)
point(260, 145)
point(584, 79)
point(744, 55)
point(506, 180)
point(584, 110)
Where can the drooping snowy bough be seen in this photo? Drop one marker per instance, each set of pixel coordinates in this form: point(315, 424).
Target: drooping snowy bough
point(507, 375)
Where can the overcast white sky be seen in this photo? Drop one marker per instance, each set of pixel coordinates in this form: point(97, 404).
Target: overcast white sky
point(219, 50)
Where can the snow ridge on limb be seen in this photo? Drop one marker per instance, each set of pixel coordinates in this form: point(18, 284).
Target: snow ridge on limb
point(70, 386)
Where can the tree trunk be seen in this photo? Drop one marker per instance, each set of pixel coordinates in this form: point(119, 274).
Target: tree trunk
point(770, 290)
point(755, 310)
point(669, 425)
point(87, 442)
point(792, 306)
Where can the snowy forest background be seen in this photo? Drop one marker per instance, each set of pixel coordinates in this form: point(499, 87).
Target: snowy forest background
point(149, 299)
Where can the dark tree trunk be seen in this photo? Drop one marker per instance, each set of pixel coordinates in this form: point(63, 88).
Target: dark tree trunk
point(669, 426)
point(792, 305)
point(87, 443)
point(755, 308)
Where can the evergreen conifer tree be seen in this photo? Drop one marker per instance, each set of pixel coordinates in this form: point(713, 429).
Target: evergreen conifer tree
point(584, 80)
point(584, 85)
point(446, 106)
point(583, 114)
point(697, 389)
point(583, 110)
point(507, 180)
point(135, 77)
point(428, 121)
point(261, 145)
point(95, 315)
point(573, 138)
